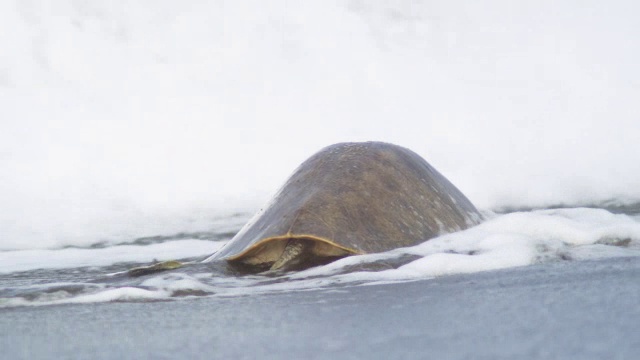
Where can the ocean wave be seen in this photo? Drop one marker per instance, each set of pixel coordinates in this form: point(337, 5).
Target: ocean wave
point(503, 241)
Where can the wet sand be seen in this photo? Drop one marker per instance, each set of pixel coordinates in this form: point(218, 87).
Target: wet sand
point(568, 310)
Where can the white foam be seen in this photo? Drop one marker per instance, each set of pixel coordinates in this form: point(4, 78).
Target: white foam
point(177, 282)
point(526, 238)
point(121, 119)
point(23, 260)
point(504, 241)
point(119, 294)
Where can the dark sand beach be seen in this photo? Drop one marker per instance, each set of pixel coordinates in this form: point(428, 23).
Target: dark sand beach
point(564, 310)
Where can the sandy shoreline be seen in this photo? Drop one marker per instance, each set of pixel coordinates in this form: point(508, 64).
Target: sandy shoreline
point(585, 310)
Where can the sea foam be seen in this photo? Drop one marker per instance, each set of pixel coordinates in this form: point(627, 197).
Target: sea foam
point(25, 260)
point(122, 120)
point(501, 242)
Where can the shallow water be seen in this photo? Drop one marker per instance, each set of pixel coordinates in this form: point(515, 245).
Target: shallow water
point(98, 274)
point(561, 310)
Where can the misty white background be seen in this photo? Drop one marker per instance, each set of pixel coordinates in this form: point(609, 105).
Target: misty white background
point(122, 119)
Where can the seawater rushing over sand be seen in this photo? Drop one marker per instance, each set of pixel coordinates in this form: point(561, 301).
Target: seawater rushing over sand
point(98, 274)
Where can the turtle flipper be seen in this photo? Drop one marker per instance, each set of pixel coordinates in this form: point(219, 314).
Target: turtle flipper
point(292, 255)
point(154, 268)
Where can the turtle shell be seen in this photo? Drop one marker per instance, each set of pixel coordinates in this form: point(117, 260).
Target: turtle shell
point(353, 198)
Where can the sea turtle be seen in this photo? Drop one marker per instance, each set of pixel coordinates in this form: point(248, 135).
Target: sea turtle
point(347, 199)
